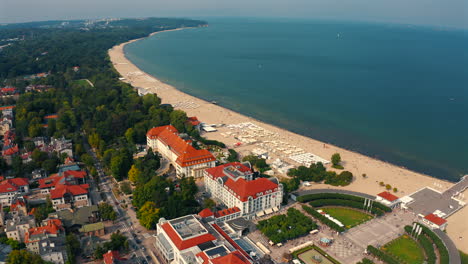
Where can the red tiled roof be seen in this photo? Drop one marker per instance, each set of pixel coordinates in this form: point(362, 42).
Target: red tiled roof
point(187, 243)
point(53, 116)
point(193, 121)
point(11, 150)
point(388, 196)
point(74, 190)
point(11, 185)
point(54, 180)
point(244, 188)
point(8, 89)
point(435, 219)
point(186, 154)
point(7, 107)
point(111, 256)
point(75, 174)
point(16, 204)
point(241, 187)
point(53, 226)
point(205, 213)
point(225, 212)
point(232, 258)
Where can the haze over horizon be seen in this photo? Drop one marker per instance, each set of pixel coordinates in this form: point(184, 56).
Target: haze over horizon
point(441, 13)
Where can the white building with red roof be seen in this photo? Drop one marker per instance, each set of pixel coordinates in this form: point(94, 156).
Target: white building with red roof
point(48, 241)
point(388, 199)
point(189, 239)
point(187, 160)
point(234, 185)
point(12, 188)
point(433, 221)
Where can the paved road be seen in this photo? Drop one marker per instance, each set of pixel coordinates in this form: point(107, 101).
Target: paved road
point(125, 220)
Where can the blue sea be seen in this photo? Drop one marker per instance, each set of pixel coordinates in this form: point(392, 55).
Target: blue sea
point(398, 93)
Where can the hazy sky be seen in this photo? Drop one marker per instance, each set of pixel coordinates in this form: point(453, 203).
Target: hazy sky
point(451, 13)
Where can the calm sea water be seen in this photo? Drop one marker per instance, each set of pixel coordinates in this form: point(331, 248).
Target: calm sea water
point(397, 93)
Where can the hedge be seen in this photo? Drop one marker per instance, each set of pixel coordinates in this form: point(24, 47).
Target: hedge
point(346, 203)
point(381, 255)
point(321, 196)
point(426, 245)
point(323, 219)
point(366, 261)
point(443, 252)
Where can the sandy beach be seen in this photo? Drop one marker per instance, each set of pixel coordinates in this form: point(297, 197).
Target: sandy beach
point(376, 171)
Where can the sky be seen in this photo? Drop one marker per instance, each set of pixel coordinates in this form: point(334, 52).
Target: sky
point(443, 13)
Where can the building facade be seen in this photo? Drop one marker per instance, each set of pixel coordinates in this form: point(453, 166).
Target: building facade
point(189, 239)
point(187, 160)
point(234, 185)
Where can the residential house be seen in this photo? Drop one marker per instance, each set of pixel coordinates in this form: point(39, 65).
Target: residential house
point(12, 188)
point(48, 241)
point(17, 227)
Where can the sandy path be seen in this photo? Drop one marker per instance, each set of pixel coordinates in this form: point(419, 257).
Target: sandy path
point(405, 180)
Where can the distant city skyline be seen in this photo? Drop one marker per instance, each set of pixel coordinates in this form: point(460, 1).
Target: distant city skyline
point(441, 13)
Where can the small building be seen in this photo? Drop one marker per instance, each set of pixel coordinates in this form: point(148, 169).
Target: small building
point(388, 199)
point(434, 222)
point(95, 229)
point(17, 227)
point(75, 219)
point(193, 120)
point(70, 196)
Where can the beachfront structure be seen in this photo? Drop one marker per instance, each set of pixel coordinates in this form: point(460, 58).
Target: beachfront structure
point(234, 185)
point(434, 222)
point(188, 239)
point(187, 160)
point(388, 199)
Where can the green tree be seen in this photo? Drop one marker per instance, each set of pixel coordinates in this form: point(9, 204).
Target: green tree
point(23, 257)
point(209, 203)
point(178, 119)
point(107, 212)
point(149, 215)
point(134, 174)
point(336, 159)
point(125, 187)
point(130, 136)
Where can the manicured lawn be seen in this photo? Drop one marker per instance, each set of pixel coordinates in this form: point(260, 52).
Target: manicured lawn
point(406, 249)
point(348, 217)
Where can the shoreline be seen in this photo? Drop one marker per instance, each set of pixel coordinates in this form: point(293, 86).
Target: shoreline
point(405, 180)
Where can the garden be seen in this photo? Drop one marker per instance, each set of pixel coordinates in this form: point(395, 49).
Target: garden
point(280, 228)
point(405, 249)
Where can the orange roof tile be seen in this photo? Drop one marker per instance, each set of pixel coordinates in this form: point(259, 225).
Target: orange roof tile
point(74, 190)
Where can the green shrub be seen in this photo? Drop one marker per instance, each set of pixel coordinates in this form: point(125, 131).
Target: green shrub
point(323, 219)
point(382, 255)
